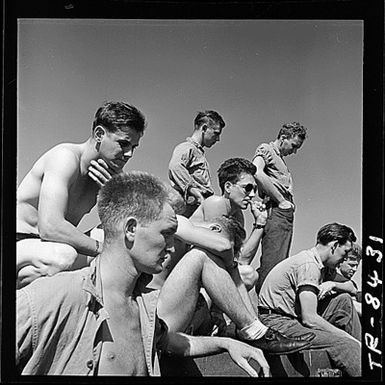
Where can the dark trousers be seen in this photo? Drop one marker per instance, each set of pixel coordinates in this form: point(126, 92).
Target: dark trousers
point(276, 241)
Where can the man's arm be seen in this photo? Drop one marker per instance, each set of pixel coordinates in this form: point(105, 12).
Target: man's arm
point(179, 174)
point(250, 247)
point(267, 185)
point(241, 353)
point(331, 287)
point(310, 318)
point(61, 168)
point(205, 238)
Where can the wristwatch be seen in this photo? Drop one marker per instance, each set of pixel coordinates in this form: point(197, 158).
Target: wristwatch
point(258, 226)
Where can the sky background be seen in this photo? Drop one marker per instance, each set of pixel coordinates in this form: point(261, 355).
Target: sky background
point(258, 74)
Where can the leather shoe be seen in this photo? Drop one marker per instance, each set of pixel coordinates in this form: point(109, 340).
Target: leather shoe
point(275, 343)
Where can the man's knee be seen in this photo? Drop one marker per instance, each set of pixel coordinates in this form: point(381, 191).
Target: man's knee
point(249, 276)
point(65, 257)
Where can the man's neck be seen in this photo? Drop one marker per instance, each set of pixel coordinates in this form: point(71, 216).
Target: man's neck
point(277, 143)
point(88, 153)
point(118, 273)
point(197, 137)
point(323, 252)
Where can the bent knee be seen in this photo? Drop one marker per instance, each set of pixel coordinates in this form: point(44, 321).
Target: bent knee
point(65, 257)
point(249, 276)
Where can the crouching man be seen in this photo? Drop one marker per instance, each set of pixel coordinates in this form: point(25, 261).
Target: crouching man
point(102, 320)
point(289, 300)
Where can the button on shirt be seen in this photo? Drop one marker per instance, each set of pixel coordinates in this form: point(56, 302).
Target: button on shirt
point(280, 288)
point(276, 169)
point(59, 324)
point(188, 167)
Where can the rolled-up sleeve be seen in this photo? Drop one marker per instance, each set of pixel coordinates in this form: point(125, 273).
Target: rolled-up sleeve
point(264, 151)
point(178, 168)
point(308, 274)
point(24, 328)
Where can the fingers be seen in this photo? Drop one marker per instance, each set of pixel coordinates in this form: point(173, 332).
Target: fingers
point(94, 178)
point(247, 368)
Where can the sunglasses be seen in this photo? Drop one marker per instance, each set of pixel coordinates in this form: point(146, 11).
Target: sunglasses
point(248, 188)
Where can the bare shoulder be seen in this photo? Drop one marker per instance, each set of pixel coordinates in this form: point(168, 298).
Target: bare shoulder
point(215, 204)
point(66, 155)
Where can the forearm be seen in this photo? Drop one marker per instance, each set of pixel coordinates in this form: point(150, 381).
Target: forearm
point(179, 175)
point(64, 232)
point(267, 185)
point(345, 287)
point(250, 247)
point(188, 346)
point(318, 323)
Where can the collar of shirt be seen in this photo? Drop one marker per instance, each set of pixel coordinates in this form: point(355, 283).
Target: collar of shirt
point(196, 144)
point(276, 149)
point(317, 257)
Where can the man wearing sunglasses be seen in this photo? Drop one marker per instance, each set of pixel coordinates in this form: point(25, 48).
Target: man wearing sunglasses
point(276, 187)
point(238, 186)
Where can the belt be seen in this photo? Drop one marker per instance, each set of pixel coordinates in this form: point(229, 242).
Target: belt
point(263, 310)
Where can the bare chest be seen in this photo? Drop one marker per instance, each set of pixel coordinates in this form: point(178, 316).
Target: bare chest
point(122, 352)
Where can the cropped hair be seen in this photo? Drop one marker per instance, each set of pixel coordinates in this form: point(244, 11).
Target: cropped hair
point(208, 117)
point(138, 194)
point(114, 116)
point(231, 169)
point(335, 232)
point(233, 228)
point(355, 253)
point(291, 130)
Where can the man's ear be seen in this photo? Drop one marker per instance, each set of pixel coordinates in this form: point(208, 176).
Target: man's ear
point(334, 246)
point(204, 127)
point(216, 227)
point(130, 228)
point(99, 133)
point(227, 186)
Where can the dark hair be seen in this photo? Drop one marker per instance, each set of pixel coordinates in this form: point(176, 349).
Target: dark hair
point(209, 117)
point(138, 194)
point(335, 232)
point(231, 169)
point(291, 130)
point(114, 116)
point(233, 228)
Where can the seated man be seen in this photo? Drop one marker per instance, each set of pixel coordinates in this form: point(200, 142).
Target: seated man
point(218, 243)
point(345, 278)
point(61, 188)
point(289, 300)
point(102, 319)
point(236, 180)
point(199, 269)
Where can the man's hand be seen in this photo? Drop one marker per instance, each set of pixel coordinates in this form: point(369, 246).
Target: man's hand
point(241, 353)
point(258, 209)
point(326, 289)
point(286, 205)
point(100, 172)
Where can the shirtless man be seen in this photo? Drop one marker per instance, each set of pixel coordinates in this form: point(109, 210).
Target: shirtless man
point(62, 187)
point(103, 319)
point(236, 180)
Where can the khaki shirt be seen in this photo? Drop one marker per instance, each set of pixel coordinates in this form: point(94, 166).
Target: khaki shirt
point(276, 169)
point(59, 324)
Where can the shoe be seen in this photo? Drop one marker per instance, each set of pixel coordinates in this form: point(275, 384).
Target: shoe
point(275, 343)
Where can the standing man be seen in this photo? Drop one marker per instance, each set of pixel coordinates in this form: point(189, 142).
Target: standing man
point(103, 319)
point(62, 187)
point(276, 187)
point(188, 169)
point(289, 299)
